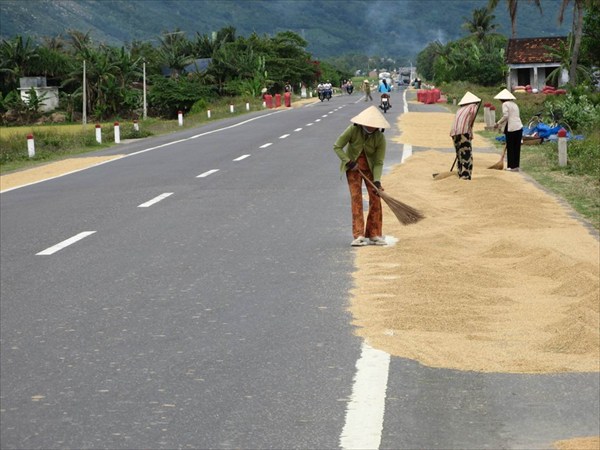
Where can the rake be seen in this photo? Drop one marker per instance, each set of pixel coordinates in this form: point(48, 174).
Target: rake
point(404, 213)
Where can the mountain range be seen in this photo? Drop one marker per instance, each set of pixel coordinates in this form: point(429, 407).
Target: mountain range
point(391, 28)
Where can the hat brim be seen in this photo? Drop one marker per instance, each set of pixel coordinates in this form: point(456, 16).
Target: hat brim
point(371, 117)
point(505, 95)
point(469, 98)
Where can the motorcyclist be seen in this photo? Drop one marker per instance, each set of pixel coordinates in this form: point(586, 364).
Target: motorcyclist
point(320, 89)
point(328, 88)
point(385, 90)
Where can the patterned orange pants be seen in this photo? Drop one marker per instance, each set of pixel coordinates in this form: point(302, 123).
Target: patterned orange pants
point(375, 217)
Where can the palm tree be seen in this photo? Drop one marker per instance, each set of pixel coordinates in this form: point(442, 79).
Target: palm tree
point(16, 58)
point(579, 6)
point(512, 6)
point(175, 52)
point(563, 54)
point(481, 24)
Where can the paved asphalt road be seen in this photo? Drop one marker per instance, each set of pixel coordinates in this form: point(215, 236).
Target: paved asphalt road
point(215, 315)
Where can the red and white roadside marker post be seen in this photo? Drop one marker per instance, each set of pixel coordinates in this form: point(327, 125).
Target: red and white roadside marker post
point(562, 147)
point(180, 118)
point(136, 125)
point(30, 146)
point(98, 134)
point(117, 133)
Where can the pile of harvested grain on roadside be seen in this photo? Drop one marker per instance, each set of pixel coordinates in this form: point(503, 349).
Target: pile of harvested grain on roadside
point(584, 443)
point(429, 129)
point(50, 170)
point(499, 277)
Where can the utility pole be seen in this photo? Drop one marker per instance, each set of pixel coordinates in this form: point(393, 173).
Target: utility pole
point(84, 114)
point(145, 104)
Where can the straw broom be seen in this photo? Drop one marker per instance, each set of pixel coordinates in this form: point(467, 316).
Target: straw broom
point(441, 175)
point(404, 213)
point(500, 164)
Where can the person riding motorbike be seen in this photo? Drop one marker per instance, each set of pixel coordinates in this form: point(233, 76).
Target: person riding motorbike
point(328, 89)
point(384, 89)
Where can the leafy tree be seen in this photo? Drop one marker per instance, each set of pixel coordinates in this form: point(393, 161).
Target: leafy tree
point(16, 58)
point(579, 6)
point(169, 95)
point(563, 55)
point(205, 46)
point(175, 52)
point(426, 59)
point(288, 59)
point(590, 50)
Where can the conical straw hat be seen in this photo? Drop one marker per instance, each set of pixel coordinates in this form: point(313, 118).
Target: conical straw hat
point(371, 117)
point(469, 98)
point(505, 95)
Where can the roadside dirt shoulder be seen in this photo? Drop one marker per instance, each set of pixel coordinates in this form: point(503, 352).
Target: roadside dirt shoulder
point(499, 277)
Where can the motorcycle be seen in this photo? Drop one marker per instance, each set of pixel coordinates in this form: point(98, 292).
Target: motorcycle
point(325, 94)
point(385, 102)
point(349, 89)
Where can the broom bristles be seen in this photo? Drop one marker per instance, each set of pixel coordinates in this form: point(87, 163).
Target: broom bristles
point(498, 166)
point(442, 175)
point(404, 213)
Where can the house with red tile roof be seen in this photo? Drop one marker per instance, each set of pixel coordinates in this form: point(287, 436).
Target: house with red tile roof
point(530, 62)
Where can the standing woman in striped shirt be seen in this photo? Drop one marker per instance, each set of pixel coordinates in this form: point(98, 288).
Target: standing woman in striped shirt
point(462, 133)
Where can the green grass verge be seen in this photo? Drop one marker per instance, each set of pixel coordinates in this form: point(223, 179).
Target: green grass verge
point(578, 183)
point(59, 141)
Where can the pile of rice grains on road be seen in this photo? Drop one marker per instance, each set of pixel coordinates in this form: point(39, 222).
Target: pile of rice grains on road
point(499, 277)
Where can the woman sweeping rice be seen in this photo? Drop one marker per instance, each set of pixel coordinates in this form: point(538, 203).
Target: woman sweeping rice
point(365, 151)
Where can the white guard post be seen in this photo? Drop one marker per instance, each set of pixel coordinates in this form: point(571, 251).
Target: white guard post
point(30, 146)
point(562, 147)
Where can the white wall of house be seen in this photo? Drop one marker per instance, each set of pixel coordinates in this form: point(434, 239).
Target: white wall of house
point(537, 74)
point(49, 95)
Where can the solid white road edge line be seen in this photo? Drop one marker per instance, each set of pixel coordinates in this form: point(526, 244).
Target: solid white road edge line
point(241, 157)
point(65, 243)
point(406, 152)
point(207, 173)
point(404, 101)
point(365, 411)
point(155, 200)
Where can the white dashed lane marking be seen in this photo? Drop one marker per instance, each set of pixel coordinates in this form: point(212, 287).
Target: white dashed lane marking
point(155, 200)
point(241, 157)
point(266, 145)
point(207, 173)
point(283, 136)
point(65, 243)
